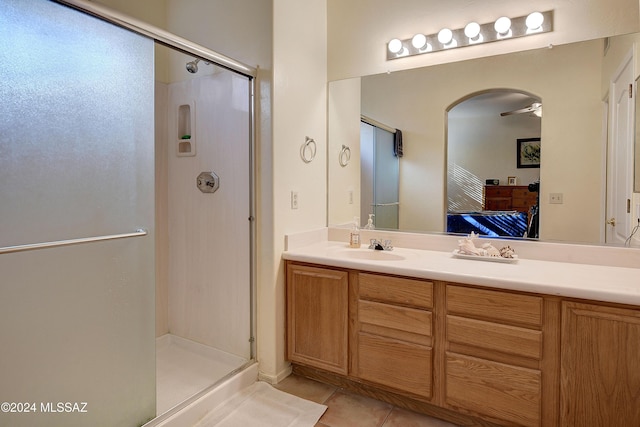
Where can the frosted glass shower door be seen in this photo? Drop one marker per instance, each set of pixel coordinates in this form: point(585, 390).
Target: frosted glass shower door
point(76, 161)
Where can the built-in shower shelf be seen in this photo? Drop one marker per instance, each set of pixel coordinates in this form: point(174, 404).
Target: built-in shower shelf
point(186, 144)
point(186, 147)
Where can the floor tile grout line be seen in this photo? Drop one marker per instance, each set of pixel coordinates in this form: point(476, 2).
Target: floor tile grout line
point(387, 417)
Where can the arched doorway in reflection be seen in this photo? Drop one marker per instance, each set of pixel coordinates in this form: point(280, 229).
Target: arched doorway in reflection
point(493, 163)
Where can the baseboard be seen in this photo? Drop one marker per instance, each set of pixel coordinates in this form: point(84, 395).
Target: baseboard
point(275, 379)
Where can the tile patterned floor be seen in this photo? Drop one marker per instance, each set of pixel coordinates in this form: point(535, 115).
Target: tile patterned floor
point(345, 409)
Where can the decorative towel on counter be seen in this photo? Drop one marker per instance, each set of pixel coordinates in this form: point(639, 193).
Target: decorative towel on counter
point(397, 144)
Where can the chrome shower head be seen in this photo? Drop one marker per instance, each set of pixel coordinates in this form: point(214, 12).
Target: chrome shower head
point(192, 66)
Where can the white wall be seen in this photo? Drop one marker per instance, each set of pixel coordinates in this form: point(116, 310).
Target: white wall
point(299, 110)
point(359, 30)
point(344, 129)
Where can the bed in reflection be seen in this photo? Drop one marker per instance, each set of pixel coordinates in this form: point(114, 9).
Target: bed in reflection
point(488, 223)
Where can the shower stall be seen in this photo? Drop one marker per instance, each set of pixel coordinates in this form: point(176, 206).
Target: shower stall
point(126, 217)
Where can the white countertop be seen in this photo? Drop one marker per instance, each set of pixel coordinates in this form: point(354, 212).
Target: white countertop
point(588, 281)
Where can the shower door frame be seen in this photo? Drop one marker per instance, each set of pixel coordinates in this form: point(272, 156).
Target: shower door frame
point(190, 48)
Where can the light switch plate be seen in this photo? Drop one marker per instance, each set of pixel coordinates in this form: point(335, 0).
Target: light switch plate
point(555, 198)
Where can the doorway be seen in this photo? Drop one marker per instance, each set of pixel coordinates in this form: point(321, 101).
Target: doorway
point(620, 155)
point(491, 190)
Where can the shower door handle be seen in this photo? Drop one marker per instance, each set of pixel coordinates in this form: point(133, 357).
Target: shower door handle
point(21, 248)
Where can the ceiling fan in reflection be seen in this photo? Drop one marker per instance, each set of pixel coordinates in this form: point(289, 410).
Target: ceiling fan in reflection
point(535, 109)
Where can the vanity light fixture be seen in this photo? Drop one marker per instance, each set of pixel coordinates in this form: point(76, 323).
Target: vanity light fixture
point(419, 41)
point(503, 28)
point(472, 31)
point(534, 22)
point(445, 37)
point(395, 46)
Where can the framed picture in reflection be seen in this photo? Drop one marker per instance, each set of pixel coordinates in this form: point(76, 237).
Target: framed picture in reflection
point(528, 153)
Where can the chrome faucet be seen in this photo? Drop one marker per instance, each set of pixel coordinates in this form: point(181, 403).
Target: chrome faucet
point(380, 245)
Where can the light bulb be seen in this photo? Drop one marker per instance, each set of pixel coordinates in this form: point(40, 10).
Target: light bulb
point(445, 36)
point(534, 21)
point(395, 46)
point(419, 41)
point(502, 25)
point(472, 30)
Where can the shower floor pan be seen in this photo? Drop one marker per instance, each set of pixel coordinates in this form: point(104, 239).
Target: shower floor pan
point(185, 367)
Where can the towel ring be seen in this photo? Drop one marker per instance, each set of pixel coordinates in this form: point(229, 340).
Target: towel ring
point(344, 156)
point(308, 150)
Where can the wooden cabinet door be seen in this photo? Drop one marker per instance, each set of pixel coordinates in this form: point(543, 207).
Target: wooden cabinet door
point(600, 366)
point(317, 312)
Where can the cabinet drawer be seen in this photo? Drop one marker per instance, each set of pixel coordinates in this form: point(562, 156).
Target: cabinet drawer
point(492, 336)
point(398, 290)
point(501, 391)
point(520, 202)
point(523, 193)
point(497, 191)
point(495, 305)
point(397, 364)
point(497, 204)
point(395, 317)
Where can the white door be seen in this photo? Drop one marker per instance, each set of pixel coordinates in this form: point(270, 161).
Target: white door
point(619, 155)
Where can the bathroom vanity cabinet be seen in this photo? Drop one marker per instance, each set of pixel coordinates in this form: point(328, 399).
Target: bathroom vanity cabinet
point(472, 355)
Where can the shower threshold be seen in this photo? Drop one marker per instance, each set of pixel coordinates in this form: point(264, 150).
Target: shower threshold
point(185, 367)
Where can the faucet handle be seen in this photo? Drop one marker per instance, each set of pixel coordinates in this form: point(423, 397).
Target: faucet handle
point(387, 245)
point(372, 243)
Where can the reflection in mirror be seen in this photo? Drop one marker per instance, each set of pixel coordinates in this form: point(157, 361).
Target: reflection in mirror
point(572, 80)
point(379, 168)
point(487, 183)
point(636, 162)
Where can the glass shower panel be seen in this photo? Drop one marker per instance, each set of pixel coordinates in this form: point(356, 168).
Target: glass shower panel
point(379, 177)
point(76, 161)
point(367, 159)
point(386, 181)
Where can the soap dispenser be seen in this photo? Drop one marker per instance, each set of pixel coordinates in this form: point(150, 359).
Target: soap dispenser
point(354, 234)
point(370, 225)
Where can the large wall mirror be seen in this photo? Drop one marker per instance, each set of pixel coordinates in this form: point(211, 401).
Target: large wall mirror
point(636, 182)
point(572, 82)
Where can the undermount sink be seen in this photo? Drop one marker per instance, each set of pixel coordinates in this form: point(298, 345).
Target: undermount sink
point(371, 255)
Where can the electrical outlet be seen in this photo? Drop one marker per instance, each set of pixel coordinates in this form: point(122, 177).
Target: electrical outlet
point(294, 200)
point(555, 198)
